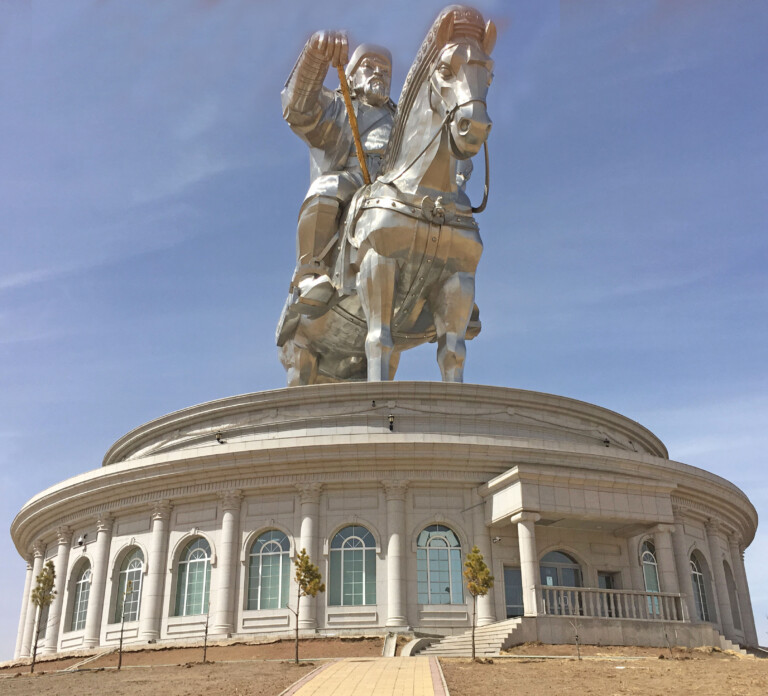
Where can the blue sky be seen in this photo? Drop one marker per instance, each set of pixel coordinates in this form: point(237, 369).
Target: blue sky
point(149, 192)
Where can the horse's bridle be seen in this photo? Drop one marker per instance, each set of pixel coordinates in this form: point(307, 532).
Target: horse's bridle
point(450, 112)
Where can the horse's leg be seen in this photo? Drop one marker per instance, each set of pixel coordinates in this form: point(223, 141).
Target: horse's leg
point(394, 361)
point(300, 364)
point(451, 305)
point(376, 288)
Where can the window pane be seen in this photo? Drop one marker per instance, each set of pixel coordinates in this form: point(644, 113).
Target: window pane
point(181, 585)
point(513, 592)
point(651, 577)
point(80, 604)
point(370, 576)
point(334, 594)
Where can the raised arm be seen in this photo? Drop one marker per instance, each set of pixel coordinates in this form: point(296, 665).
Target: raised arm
point(302, 95)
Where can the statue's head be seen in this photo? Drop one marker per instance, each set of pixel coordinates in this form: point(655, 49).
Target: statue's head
point(369, 72)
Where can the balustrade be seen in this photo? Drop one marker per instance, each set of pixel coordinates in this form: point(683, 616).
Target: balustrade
point(592, 602)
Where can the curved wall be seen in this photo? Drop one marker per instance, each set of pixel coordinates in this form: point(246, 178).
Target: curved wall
point(517, 473)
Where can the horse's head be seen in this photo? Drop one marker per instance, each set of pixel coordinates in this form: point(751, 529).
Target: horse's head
point(460, 79)
point(449, 80)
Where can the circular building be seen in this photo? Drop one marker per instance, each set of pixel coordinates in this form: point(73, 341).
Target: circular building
point(195, 520)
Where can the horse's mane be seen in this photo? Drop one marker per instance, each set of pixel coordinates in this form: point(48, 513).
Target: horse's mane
point(466, 22)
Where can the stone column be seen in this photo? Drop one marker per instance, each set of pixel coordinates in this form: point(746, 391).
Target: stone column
point(24, 609)
point(665, 558)
point(64, 537)
point(226, 580)
point(396, 593)
point(742, 589)
point(98, 581)
point(485, 605)
point(529, 559)
point(38, 550)
point(309, 494)
point(683, 563)
point(150, 618)
point(720, 586)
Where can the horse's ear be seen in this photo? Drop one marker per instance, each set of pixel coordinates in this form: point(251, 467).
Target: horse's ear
point(489, 39)
point(445, 30)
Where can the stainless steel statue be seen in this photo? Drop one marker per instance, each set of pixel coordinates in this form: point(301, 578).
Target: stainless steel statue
point(386, 266)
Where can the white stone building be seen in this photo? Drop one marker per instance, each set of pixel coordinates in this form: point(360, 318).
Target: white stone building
point(578, 511)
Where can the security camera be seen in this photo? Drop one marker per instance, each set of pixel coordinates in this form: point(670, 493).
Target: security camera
point(496, 539)
point(81, 539)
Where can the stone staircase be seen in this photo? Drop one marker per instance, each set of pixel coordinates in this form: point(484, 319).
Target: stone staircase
point(489, 641)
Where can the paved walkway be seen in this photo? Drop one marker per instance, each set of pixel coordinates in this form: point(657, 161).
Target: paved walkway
point(382, 676)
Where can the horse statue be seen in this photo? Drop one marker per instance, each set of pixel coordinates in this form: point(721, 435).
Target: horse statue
point(408, 246)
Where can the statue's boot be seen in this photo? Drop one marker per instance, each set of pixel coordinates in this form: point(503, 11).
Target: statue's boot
point(316, 296)
point(311, 287)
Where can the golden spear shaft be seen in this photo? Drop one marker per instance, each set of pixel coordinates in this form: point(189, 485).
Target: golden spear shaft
point(353, 123)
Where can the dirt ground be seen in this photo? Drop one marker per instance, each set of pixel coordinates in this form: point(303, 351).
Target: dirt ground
point(257, 670)
point(700, 674)
point(213, 679)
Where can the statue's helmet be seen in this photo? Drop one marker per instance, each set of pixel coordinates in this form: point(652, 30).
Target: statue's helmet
point(365, 50)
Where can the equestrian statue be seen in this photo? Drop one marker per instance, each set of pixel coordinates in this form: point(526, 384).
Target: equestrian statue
point(387, 244)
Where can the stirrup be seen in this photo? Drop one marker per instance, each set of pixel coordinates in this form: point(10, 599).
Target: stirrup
point(308, 270)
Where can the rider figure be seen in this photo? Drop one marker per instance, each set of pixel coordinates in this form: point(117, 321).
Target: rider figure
point(319, 117)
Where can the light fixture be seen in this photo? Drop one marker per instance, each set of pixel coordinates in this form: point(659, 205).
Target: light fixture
point(391, 422)
point(220, 438)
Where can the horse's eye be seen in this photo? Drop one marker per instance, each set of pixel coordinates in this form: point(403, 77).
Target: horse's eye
point(445, 71)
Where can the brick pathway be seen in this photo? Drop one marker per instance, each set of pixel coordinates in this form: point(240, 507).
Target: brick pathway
point(382, 676)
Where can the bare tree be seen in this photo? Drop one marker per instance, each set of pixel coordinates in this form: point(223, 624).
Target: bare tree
point(309, 583)
point(479, 582)
point(42, 596)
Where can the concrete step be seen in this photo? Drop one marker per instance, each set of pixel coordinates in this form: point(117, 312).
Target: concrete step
point(489, 640)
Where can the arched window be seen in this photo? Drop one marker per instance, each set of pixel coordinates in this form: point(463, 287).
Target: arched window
point(732, 596)
point(80, 604)
point(699, 591)
point(650, 576)
point(650, 567)
point(438, 566)
point(268, 571)
point(129, 586)
point(353, 568)
point(194, 579)
point(558, 568)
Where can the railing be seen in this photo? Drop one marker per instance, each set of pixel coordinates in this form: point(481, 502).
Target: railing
point(610, 604)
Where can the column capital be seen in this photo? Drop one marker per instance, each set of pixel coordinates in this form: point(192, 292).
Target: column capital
point(161, 510)
point(309, 492)
point(395, 489)
point(663, 529)
point(678, 512)
point(63, 535)
point(104, 522)
point(38, 548)
point(231, 499)
point(525, 516)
